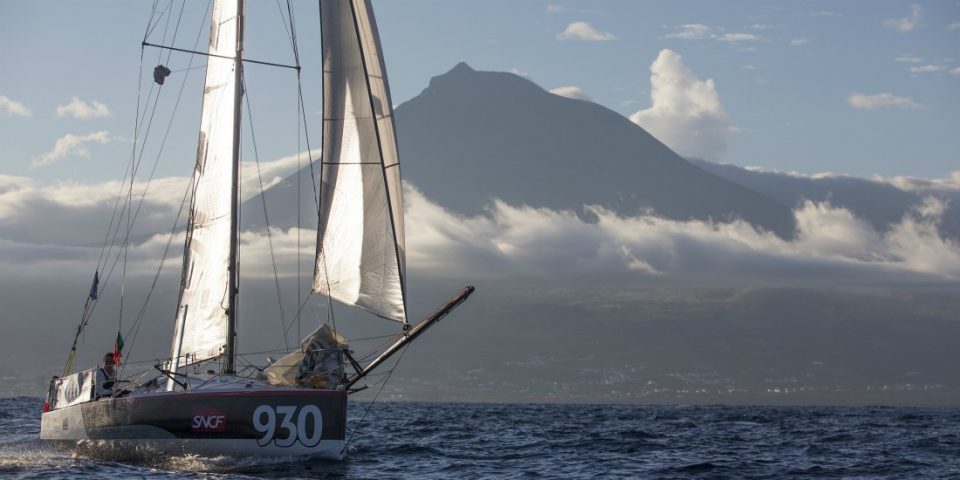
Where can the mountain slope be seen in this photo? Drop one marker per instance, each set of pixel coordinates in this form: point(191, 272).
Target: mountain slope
point(471, 137)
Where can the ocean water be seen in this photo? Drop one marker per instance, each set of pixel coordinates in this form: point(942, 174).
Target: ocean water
point(460, 440)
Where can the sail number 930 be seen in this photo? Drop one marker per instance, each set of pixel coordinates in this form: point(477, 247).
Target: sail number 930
point(285, 425)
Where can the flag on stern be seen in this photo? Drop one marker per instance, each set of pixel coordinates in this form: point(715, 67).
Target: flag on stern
point(118, 348)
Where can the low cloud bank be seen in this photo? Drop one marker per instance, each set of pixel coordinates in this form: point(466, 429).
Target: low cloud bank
point(516, 242)
point(832, 245)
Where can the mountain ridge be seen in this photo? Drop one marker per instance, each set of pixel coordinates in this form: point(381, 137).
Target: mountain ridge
point(473, 136)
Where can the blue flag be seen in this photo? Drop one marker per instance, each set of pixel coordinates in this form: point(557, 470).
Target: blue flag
point(96, 285)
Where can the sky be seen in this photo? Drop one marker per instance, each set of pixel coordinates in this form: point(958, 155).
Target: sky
point(868, 89)
point(861, 88)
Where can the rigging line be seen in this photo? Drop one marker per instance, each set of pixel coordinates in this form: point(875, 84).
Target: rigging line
point(386, 379)
point(283, 19)
point(187, 69)
point(150, 25)
point(299, 217)
point(110, 239)
point(135, 328)
point(142, 150)
point(148, 128)
point(176, 29)
point(300, 126)
point(266, 215)
point(136, 129)
point(166, 28)
point(299, 311)
point(214, 55)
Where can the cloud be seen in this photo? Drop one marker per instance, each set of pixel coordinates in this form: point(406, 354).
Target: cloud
point(796, 42)
point(555, 9)
point(572, 91)
point(699, 31)
point(692, 31)
point(584, 31)
point(949, 185)
point(69, 213)
point(954, 26)
point(906, 24)
point(826, 13)
point(79, 109)
point(685, 113)
point(523, 242)
point(13, 108)
point(71, 145)
point(882, 100)
point(928, 69)
point(907, 58)
point(955, 71)
point(738, 37)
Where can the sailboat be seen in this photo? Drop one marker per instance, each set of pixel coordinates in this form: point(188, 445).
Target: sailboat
point(296, 405)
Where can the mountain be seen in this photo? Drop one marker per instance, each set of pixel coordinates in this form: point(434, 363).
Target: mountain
point(877, 202)
point(471, 137)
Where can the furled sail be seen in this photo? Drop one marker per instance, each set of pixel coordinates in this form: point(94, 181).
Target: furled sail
point(360, 247)
point(202, 315)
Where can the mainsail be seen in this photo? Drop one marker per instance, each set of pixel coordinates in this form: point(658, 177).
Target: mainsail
point(360, 246)
point(202, 322)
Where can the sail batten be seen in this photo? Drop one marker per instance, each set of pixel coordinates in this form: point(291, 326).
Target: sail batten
point(360, 248)
point(202, 323)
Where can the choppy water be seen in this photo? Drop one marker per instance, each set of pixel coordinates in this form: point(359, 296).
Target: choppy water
point(444, 440)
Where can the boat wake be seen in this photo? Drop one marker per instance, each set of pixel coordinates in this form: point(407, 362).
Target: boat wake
point(27, 452)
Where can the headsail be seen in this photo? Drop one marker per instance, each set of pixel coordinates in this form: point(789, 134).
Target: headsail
point(201, 330)
point(360, 248)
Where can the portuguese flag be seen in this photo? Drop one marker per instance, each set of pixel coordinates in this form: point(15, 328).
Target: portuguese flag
point(118, 349)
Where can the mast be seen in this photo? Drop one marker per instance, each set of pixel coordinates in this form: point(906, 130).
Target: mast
point(230, 349)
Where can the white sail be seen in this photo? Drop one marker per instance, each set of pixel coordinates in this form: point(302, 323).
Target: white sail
point(360, 247)
point(202, 318)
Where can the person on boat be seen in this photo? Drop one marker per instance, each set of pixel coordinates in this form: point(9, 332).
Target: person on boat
point(106, 376)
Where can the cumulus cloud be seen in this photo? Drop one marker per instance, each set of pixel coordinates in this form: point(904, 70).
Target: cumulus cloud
point(908, 23)
point(954, 26)
point(571, 91)
point(928, 69)
point(84, 110)
point(13, 108)
point(685, 113)
point(71, 145)
point(955, 71)
point(796, 42)
point(584, 31)
point(882, 100)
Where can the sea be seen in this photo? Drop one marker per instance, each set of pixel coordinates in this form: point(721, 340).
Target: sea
point(405, 440)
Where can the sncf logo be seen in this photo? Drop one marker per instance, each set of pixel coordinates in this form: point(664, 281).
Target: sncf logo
point(208, 420)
